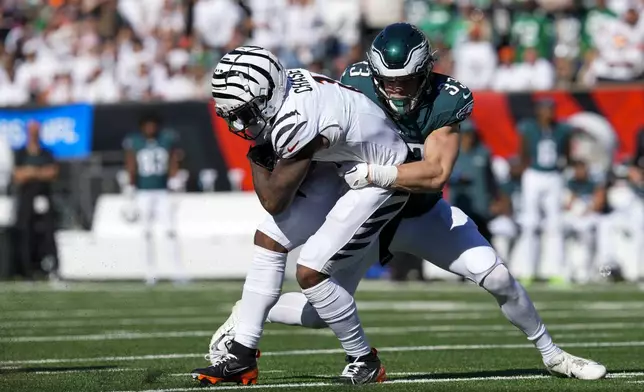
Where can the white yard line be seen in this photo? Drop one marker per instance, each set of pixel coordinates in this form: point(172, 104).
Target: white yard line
point(108, 313)
point(447, 330)
point(236, 286)
point(108, 370)
point(408, 309)
point(328, 384)
point(115, 321)
point(491, 314)
point(322, 351)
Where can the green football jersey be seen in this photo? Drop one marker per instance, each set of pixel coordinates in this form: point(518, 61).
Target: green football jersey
point(152, 158)
point(531, 30)
point(595, 21)
point(545, 147)
point(446, 102)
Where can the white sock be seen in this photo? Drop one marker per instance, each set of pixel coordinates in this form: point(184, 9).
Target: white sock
point(543, 342)
point(338, 309)
point(295, 309)
point(261, 291)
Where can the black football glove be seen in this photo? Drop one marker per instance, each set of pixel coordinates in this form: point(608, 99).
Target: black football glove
point(263, 155)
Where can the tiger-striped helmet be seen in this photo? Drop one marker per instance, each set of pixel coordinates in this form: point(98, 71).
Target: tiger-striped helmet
point(249, 88)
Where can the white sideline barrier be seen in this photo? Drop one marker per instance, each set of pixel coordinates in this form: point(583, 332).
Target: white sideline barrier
point(215, 233)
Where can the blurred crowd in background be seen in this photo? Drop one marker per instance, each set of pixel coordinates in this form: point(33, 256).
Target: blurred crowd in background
point(103, 51)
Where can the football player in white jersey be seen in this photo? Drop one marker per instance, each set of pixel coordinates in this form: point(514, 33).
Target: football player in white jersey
point(442, 234)
point(307, 118)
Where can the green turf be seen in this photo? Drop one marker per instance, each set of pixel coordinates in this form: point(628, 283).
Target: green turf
point(108, 336)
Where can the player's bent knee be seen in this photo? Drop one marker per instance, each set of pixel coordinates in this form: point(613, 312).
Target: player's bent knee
point(479, 260)
point(266, 242)
point(307, 277)
point(500, 282)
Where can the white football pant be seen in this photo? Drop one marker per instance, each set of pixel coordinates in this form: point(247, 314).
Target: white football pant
point(542, 191)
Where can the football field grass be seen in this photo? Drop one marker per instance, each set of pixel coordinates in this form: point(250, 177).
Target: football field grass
point(436, 336)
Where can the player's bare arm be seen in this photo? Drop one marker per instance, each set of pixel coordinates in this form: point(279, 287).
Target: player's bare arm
point(277, 189)
point(431, 174)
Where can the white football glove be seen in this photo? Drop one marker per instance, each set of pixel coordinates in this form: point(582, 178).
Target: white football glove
point(355, 174)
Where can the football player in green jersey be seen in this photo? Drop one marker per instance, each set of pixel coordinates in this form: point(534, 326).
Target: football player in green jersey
point(152, 164)
point(428, 108)
point(545, 149)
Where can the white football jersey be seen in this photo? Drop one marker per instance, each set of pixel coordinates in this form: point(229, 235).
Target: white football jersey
point(358, 130)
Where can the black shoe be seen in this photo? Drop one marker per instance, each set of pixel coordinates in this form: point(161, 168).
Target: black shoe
point(238, 365)
point(363, 370)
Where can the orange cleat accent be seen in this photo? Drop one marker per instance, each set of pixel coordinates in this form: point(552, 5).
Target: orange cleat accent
point(248, 378)
point(382, 375)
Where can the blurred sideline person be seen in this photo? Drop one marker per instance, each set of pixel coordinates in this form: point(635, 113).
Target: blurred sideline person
point(505, 226)
point(584, 203)
point(544, 151)
point(627, 215)
point(6, 164)
point(472, 186)
point(152, 162)
point(35, 170)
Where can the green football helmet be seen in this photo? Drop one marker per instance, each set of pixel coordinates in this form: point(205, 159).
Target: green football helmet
point(401, 61)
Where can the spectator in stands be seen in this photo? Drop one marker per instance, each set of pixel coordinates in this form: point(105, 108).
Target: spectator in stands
point(35, 172)
point(620, 50)
point(303, 36)
point(504, 78)
point(597, 19)
point(12, 93)
point(432, 17)
point(531, 29)
point(467, 20)
point(340, 31)
point(475, 61)
point(472, 186)
point(585, 200)
point(217, 23)
point(267, 24)
point(534, 72)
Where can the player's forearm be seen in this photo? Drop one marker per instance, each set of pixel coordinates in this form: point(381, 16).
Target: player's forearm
point(415, 177)
point(273, 198)
point(419, 177)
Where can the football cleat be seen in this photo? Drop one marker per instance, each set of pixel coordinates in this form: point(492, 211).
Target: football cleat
point(223, 337)
point(566, 365)
point(363, 370)
point(240, 367)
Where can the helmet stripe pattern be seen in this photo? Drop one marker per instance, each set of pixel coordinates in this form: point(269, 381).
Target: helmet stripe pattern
point(275, 63)
point(249, 87)
point(260, 70)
